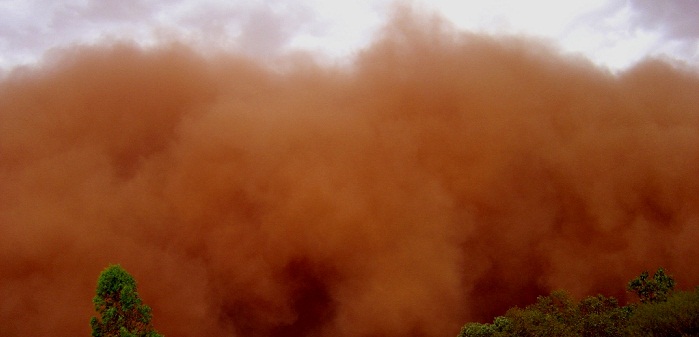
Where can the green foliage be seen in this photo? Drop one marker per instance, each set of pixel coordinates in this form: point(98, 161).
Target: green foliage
point(557, 315)
point(656, 289)
point(122, 314)
point(602, 316)
point(552, 315)
point(662, 312)
point(678, 316)
point(501, 327)
point(477, 330)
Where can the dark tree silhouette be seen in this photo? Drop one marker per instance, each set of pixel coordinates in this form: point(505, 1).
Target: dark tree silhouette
point(652, 290)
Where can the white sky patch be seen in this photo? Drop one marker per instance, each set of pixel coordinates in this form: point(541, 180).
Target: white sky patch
point(610, 41)
point(343, 27)
point(533, 17)
point(612, 33)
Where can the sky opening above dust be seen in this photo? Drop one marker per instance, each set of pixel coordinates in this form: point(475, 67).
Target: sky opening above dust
point(611, 33)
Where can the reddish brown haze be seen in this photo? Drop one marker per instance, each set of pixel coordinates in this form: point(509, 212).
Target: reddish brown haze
point(441, 178)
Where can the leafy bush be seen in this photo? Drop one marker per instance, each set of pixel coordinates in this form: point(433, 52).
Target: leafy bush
point(662, 312)
point(678, 316)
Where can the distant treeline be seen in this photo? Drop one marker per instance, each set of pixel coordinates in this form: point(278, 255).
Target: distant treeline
point(662, 311)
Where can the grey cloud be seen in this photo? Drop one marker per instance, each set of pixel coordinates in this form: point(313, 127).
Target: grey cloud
point(675, 19)
point(261, 28)
point(29, 31)
point(672, 24)
point(266, 30)
point(121, 10)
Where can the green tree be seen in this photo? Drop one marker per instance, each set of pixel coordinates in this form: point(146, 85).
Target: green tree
point(662, 312)
point(676, 317)
point(477, 330)
point(552, 315)
point(501, 327)
point(602, 316)
point(652, 290)
point(122, 314)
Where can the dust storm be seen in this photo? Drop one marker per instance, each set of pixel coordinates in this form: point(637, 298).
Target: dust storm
point(441, 177)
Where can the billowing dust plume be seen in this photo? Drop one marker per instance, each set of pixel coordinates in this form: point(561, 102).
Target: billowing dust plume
point(442, 178)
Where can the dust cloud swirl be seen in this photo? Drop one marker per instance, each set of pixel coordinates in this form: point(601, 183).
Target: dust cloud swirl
point(442, 177)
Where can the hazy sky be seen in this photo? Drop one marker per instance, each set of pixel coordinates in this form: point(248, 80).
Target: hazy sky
point(614, 33)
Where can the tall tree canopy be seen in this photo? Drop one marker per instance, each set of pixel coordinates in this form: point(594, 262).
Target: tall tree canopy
point(654, 289)
point(121, 312)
